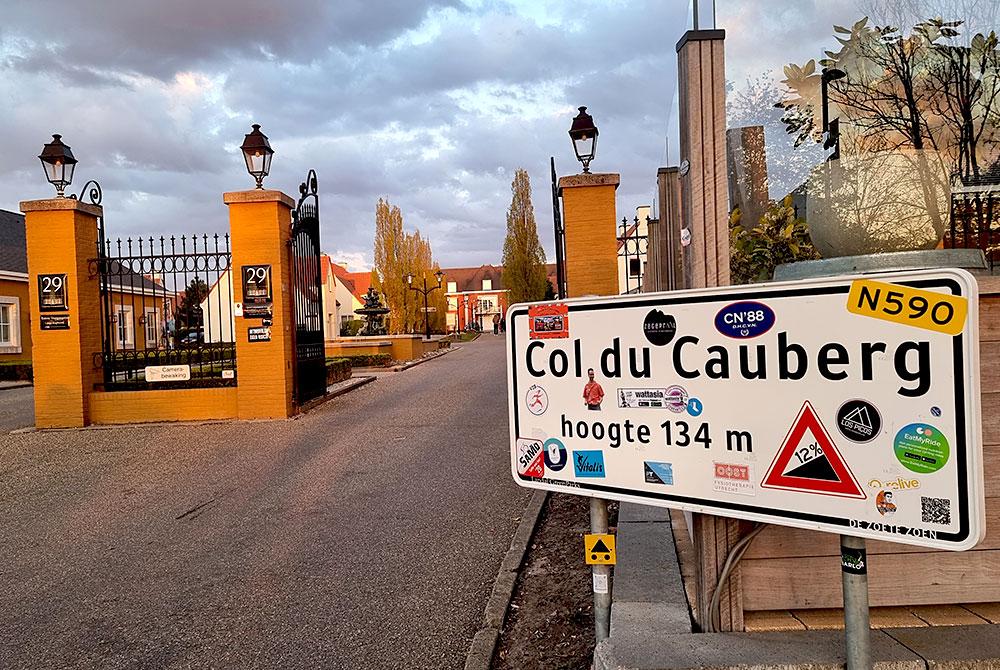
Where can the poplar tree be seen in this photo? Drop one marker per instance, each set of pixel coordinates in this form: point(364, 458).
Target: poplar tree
point(523, 256)
point(390, 262)
point(398, 254)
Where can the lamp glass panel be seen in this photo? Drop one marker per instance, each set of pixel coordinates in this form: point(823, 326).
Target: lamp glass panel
point(53, 171)
point(584, 147)
point(255, 162)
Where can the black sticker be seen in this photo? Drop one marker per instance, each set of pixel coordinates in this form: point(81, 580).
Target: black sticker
point(853, 561)
point(659, 328)
point(859, 421)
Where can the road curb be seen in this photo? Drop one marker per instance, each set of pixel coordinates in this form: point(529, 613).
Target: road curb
point(438, 353)
point(338, 389)
point(484, 642)
point(9, 386)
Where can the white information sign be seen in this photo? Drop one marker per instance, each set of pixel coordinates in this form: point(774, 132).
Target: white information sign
point(168, 373)
point(847, 405)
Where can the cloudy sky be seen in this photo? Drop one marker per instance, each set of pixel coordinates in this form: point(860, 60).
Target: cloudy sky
point(431, 103)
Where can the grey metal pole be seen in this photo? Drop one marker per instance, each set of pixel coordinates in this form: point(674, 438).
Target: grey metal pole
point(857, 631)
point(602, 573)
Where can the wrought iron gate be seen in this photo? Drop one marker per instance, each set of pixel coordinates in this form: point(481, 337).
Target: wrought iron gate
point(162, 303)
point(307, 295)
point(632, 247)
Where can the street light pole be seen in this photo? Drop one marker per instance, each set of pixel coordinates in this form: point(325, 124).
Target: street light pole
point(426, 291)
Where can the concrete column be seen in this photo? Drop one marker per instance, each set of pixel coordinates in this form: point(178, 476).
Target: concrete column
point(260, 229)
point(589, 214)
point(61, 240)
point(704, 207)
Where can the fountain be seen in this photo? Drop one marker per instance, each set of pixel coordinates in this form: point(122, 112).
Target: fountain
point(374, 313)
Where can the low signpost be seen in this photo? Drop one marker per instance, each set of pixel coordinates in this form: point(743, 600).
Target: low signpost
point(847, 405)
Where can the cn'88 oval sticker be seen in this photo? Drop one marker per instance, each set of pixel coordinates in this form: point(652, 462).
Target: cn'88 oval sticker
point(929, 310)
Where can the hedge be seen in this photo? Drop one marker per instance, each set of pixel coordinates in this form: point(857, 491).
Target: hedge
point(15, 371)
point(337, 370)
point(367, 360)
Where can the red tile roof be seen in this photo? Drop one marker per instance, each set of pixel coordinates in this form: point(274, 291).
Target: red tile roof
point(471, 279)
point(361, 282)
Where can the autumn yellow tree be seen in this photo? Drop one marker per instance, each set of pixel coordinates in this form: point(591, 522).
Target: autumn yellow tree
point(397, 255)
point(523, 256)
point(389, 262)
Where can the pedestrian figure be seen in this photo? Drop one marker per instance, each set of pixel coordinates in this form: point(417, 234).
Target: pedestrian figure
point(593, 394)
point(496, 324)
point(503, 325)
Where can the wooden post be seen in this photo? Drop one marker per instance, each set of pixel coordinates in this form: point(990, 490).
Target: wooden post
point(591, 243)
point(61, 239)
point(705, 213)
point(260, 228)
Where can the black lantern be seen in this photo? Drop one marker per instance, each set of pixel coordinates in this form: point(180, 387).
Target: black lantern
point(440, 276)
point(257, 152)
point(409, 279)
point(831, 129)
point(584, 136)
point(58, 163)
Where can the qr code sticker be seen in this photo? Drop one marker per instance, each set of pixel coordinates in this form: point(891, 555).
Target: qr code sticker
point(935, 510)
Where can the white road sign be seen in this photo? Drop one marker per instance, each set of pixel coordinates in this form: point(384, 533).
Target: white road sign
point(847, 405)
point(168, 373)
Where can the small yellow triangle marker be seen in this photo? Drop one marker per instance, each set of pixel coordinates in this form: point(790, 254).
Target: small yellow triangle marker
point(599, 549)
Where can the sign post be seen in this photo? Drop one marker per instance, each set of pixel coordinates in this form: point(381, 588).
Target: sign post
point(857, 630)
point(847, 405)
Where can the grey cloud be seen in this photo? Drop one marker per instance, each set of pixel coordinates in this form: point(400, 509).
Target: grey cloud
point(159, 38)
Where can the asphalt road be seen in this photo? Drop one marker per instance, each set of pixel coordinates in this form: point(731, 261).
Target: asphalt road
point(365, 534)
point(17, 408)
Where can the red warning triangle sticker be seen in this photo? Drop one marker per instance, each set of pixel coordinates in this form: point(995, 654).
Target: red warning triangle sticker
point(808, 461)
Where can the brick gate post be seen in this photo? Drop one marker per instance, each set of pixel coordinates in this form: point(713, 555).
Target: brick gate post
point(65, 322)
point(260, 223)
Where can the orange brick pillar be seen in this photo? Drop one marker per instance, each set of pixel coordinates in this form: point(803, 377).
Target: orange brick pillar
point(260, 229)
point(591, 244)
point(62, 238)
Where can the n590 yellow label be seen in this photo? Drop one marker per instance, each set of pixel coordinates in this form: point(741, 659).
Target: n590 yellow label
point(910, 306)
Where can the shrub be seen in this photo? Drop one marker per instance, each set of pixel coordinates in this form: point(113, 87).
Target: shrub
point(337, 370)
point(777, 238)
point(352, 327)
point(367, 360)
point(15, 371)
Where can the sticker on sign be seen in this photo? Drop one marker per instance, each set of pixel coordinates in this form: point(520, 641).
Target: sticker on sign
point(799, 421)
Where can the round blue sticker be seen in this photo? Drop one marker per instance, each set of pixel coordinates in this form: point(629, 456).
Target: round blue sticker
point(744, 320)
point(695, 408)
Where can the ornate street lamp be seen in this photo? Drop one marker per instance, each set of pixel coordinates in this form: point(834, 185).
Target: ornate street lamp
point(58, 163)
point(257, 152)
point(584, 136)
point(425, 291)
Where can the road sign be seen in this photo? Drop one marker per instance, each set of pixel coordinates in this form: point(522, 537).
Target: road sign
point(428, 309)
point(599, 549)
point(809, 462)
point(806, 404)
